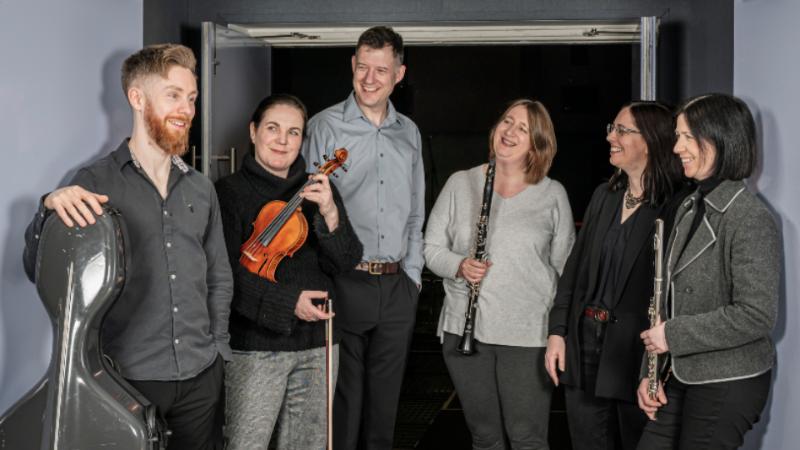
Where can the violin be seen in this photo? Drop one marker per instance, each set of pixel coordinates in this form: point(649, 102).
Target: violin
point(280, 228)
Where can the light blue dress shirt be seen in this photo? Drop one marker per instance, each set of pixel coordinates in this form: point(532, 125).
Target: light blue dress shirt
point(384, 186)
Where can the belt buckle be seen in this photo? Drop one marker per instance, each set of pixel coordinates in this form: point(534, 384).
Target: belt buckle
point(375, 268)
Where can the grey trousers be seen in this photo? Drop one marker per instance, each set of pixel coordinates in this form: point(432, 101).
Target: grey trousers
point(288, 387)
point(502, 389)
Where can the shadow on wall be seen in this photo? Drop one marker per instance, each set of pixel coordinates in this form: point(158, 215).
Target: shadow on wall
point(766, 125)
point(25, 330)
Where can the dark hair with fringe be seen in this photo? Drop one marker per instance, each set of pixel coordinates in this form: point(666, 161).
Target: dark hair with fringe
point(381, 36)
point(663, 172)
point(278, 99)
point(724, 122)
point(542, 136)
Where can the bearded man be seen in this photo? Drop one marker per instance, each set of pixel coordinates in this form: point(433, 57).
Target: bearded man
point(168, 331)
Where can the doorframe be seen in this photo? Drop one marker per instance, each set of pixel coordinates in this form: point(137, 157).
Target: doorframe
point(642, 31)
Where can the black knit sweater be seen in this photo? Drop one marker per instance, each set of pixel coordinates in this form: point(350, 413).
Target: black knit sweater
point(262, 312)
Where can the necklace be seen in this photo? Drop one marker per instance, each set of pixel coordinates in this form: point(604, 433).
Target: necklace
point(631, 201)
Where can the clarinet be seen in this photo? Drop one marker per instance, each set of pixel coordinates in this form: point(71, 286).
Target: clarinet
point(654, 311)
point(467, 344)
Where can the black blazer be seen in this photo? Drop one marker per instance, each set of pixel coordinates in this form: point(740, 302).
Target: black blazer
point(620, 361)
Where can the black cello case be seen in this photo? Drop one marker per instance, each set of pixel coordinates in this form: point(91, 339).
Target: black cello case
point(82, 402)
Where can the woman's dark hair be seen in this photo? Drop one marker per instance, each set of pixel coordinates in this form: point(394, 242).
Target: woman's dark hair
point(725, 122)
point(278, 99)
point(663, 172)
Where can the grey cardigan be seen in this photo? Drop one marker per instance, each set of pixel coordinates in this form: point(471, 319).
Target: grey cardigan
point(723, 287)
point(529, 239)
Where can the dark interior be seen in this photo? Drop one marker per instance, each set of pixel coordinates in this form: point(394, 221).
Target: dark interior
point(454, 94)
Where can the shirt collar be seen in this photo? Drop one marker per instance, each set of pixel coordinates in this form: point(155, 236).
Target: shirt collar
point(123, 155)
point(723, 195)
point(352, 112)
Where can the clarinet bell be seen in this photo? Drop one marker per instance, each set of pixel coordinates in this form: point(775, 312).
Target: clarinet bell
point(467, 345)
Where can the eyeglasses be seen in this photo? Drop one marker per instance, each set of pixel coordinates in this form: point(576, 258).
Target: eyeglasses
point(621, 131)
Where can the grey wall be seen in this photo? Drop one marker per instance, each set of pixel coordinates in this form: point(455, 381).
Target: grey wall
point(697, 36)
point(62, 106)
point(766, 65)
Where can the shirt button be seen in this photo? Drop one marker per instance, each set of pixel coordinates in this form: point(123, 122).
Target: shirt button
point(172, 277)
point(381, 155)
point(169, 244)
point(381, 181)
point(36, 236)
point(177, 341)
point(166, 213)
point(381, 209)
point(175, 309)
point(381, 236)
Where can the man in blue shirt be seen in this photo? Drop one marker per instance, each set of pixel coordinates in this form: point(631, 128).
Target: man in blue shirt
point(384, 194)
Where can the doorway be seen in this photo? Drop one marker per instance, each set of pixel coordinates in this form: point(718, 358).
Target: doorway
point(454, 93)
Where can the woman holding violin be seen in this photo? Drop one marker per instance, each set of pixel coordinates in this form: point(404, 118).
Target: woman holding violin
point(277, 317)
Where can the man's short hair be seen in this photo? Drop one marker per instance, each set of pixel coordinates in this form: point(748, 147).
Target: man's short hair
point(381, 36)
point(156, 60)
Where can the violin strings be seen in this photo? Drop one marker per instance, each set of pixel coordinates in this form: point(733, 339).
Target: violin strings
point(277, 223)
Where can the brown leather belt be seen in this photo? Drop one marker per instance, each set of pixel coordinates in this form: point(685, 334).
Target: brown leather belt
point(598, 314)
point(378, 267)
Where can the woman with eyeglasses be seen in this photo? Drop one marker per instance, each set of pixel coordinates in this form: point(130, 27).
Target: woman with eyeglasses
point(601, 304)
point(723, 272)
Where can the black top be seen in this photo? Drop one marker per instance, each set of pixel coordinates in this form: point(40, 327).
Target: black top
point(171, 319)
point(262, 312)
point(614, 243)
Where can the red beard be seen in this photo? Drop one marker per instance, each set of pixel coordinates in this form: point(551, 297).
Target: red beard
point(173, 142)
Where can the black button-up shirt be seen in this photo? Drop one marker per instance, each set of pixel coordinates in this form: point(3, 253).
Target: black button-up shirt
point(171, 320)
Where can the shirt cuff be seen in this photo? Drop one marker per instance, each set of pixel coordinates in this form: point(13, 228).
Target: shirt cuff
point(224, 349)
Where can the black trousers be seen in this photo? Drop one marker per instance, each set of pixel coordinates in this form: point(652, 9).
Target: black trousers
point(707, 416)
point(597, 423)
point(375, 317)
point(189, 407)
point(503, 390)
point(601, 423)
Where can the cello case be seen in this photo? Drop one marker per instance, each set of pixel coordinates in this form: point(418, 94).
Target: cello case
point(82, 402)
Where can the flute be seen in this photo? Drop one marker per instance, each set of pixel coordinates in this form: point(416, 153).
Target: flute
point(654, 311)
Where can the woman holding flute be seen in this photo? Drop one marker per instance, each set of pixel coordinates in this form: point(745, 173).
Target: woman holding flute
point(722, 277)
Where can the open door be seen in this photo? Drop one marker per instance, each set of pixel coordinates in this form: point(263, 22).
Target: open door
point(235, 76)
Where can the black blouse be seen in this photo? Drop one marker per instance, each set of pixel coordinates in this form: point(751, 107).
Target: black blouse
point(615, 241)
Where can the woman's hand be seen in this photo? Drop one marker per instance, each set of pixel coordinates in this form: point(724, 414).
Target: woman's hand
point(307, 310)
point(554, 356)
point(646, 404)
point(472, 270)
point(655, 340)
point(321, 194)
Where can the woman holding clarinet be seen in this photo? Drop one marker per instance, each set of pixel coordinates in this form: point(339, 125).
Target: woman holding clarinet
point(528, 234)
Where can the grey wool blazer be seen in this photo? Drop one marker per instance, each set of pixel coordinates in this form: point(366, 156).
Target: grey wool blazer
point(722, 287)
